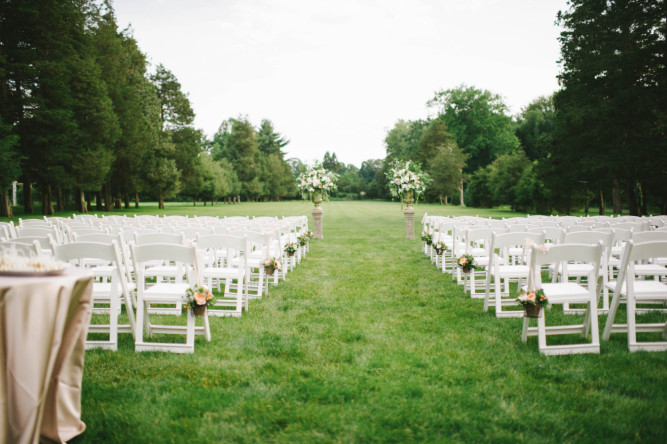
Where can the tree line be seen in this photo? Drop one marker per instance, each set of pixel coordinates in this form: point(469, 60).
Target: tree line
point(82, 120)
point(601, 138)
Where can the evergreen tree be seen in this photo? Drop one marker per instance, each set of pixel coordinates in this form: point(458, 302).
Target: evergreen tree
point(612, 109)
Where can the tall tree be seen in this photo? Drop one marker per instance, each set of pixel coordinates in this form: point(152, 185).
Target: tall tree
point(536, 126)
point(10, 161)
point(241, 151)
point(612, 109)
point(177, 140)
point(134, 101)
point(441, 157)
point(479, 121)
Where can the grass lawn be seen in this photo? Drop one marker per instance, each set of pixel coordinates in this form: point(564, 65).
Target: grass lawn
point(367, 342)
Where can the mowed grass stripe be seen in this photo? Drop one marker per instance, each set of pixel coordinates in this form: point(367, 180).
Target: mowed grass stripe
point(367, 342)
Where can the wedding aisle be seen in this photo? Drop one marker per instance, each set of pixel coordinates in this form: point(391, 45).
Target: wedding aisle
point(367, 342)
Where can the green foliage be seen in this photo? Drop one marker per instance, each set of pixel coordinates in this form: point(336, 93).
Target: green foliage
point(479, 122)
point(9, 155)
point(536, 128)
point(612, 108)
point(402, 141)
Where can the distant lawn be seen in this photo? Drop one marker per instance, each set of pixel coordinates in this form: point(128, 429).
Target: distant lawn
point(367, 342)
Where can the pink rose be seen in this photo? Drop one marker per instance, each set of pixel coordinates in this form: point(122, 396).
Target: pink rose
point(200, 299)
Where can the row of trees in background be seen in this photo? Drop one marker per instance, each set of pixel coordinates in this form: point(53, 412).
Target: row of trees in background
point(82, 119)
point(601, 137)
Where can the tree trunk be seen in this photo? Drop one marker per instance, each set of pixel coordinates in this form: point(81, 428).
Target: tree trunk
point(204, 202)
point(446, 200)
point(47, 203)
point(641, 195)
point(212, 202)
point(616, 198)
point(5, 205)
point(194, 201)
point(28, 208)
point(463, 204)
point(89, 201)
point(136, 200)
point(108, 198)
point(633, 206)
point(601, 208)
point(126, 199)
point(161, 201)
point(81, 202)
point(117, 202)
point(98, 201)
point(60, 205)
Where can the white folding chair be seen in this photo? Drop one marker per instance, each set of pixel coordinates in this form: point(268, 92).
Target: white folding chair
point(229, 268)
point(505, 267)
point(632, 291)
point(578, 271)
point(166, 293)
point(109, 288)
point(566, 292)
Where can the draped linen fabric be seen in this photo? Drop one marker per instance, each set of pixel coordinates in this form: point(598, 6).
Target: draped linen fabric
point(43, 327)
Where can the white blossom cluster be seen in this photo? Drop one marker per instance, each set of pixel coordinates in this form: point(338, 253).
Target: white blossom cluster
point(317, 179)
point(404, 177)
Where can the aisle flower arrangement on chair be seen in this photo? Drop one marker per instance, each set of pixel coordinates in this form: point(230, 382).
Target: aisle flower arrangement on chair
point(198, 299)
point(271, 265)
point(532, 302)
point(407, 181)
point(466, 263)
point(304, 238)
point(316, 184)
point(427, 237)
point(290, 249)
point(439, 247)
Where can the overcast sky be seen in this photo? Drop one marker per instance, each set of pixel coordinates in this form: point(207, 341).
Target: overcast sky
point(335, 75)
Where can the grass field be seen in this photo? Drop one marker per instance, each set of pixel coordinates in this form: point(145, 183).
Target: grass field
point(367, 342)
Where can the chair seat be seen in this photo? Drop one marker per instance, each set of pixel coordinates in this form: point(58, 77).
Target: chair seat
point(104, 288)
point(162, 271)
point(566, 292)
point(482, 261)
point(644, 290)
point(650, 270)
point(512, 271)
point(166, 292)
point(223, 273)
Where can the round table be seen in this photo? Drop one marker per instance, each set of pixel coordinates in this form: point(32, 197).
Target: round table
point(43, 327)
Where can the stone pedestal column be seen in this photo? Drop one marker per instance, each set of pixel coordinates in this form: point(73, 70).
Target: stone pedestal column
point(317, 216)
point(317, 220)
point(409, 217)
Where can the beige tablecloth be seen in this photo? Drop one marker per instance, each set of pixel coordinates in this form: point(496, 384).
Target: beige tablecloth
point(43, 327)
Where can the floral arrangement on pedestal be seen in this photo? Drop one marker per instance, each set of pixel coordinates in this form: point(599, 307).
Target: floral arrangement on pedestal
point(317, 183)
point(271, 265)
point(532, 302)
point(407, 181)
point(198, 299)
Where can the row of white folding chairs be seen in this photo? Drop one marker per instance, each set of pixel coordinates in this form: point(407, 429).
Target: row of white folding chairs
point(107, 263)
point(500, 270)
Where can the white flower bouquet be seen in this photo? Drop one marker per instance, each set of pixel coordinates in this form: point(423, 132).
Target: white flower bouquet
point(316, 180)
point(407, 178)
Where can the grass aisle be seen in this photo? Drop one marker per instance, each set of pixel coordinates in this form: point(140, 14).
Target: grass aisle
point(367, 341)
